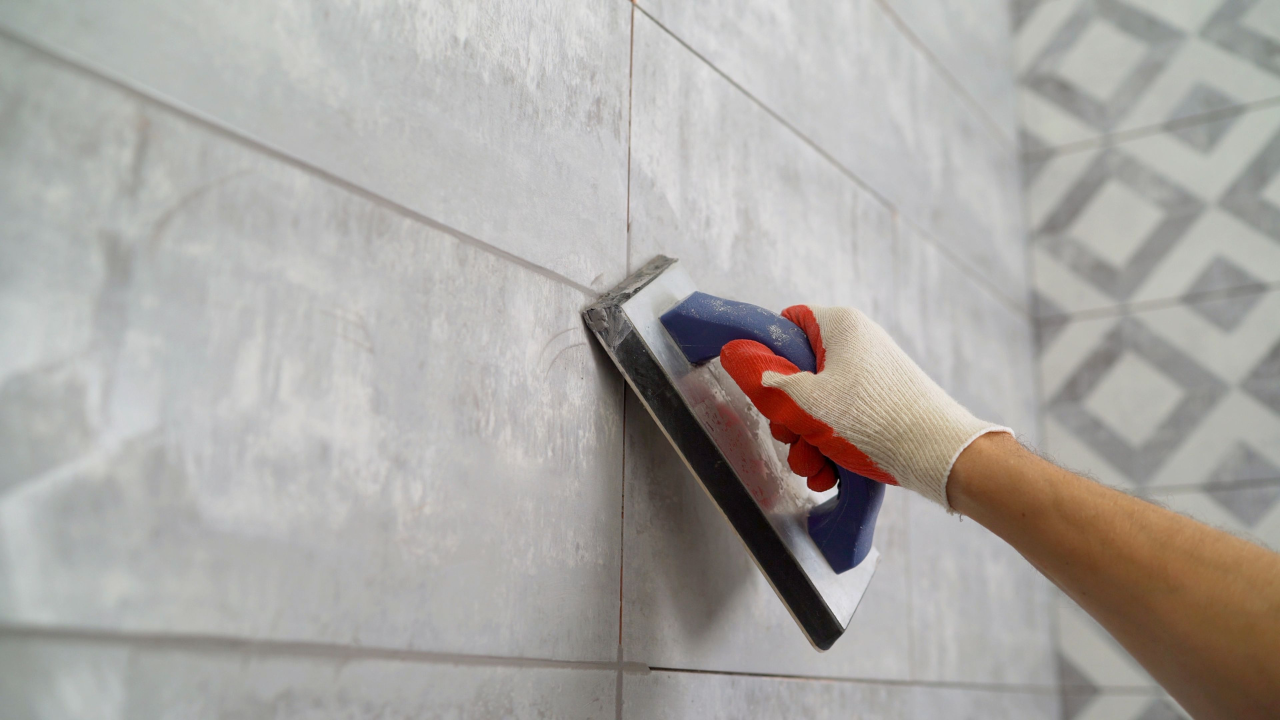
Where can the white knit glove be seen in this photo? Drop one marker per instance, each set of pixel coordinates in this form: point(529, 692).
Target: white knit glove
point(869, 408)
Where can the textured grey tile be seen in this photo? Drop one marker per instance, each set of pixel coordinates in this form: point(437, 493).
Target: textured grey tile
point(310, 418)
point(846, 77)
point(758, 215)
point(42, 422)
point(975, 347)
point(672, 696)
point(506, 120)
point(980, 612)
point(57, 679)
point(751, 210)
point(972, 41)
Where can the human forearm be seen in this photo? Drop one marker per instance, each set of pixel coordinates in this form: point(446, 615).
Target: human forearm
point(1199, 609)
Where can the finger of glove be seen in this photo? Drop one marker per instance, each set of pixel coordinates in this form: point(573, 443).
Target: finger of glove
point(804, 459)
point(847, 455)
point(816, 432)
point(802, 315)
point(825, 479)
point(747, 362)
point(782, 433)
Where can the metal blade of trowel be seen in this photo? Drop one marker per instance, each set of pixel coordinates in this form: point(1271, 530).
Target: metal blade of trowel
point(726, 444)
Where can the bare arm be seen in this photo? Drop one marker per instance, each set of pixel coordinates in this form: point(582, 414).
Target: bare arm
point(1199, 608)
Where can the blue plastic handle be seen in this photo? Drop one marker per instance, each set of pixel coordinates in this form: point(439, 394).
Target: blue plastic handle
point(701, 325)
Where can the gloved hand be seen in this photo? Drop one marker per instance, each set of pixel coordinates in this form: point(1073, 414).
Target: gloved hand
point(868, 408)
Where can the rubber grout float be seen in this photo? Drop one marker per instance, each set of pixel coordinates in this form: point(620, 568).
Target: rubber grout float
point(664, 336)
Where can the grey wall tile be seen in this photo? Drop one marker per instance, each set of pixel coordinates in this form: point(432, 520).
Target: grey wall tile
point(752, 211)
point(847, 78)
point(668, 696)
point(59, 679)
point(308, 417)
point(506, 121)
point(980, 612)
point(973, 42)
point(975, 346)
point(756, 214)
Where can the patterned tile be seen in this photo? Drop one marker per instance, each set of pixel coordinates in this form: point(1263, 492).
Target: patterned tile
point(1077, 689)
point(1250, 29)
point(1116, 223)
point(1162, 709)
point(1202, 100)
point(1222, 275)
point(1263, 382)
point(1096, 246)
point(1199, 389)
point(1134, 376)
point(1156, 261)
point(1246, 484)
point(1048, 32)
point(1101, 61)
point(1091, 659)
point(1252, 197)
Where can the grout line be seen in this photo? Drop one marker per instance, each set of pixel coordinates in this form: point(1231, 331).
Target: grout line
point(160, 100)
point(770, 111)
point(631, 82)
point(221, 644)
point(1164, 303)
point(622, 501)
point(951, 79)
point(1204, 487)
point(228, 645)
point(1109, 139)
point(947, 252)
point(1036, 689)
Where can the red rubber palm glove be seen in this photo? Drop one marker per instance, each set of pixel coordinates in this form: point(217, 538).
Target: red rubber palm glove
point(869, 407)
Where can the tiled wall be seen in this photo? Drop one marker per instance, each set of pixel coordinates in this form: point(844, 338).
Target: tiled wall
point(1152, 131)
point(297, 413)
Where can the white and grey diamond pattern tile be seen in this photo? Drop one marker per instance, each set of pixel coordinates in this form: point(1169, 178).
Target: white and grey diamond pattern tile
point(1134, 222)
point(1092, 67)
point(1156, 258)
point(1164, 398)
point(1098, 679)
